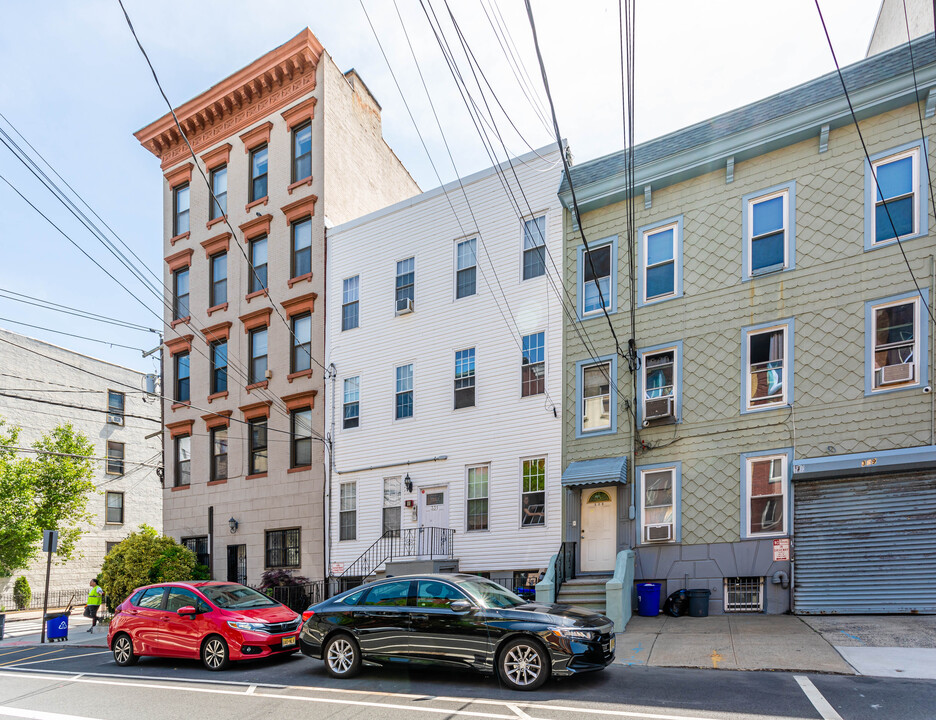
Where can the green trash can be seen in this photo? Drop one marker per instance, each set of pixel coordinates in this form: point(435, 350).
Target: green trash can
point(698, 603)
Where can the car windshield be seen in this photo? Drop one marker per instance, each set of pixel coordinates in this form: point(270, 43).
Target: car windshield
point(490, 594)
point(237, 597)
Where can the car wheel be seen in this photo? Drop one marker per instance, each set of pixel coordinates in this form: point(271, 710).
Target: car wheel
point(342, 656)
point(123, 651)
point(214, 653)
point(523, 664)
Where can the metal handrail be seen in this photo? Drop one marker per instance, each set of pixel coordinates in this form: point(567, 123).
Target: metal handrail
point(410, 542)
point(565, 565)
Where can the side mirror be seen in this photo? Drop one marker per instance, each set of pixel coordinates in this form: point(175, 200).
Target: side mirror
point(187, 610)
point(460, 606)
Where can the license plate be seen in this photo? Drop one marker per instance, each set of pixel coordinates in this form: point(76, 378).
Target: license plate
point(289, 641)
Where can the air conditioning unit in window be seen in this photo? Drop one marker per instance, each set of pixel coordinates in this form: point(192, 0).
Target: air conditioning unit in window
point(659, 408)
point(893, 374)
point(114, 419)
point(658, 533)
point(404, 306)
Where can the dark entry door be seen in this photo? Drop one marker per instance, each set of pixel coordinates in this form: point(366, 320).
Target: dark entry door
point(237, 564)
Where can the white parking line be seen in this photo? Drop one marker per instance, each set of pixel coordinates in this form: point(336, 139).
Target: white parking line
point(815, 697)
point(66, 657)
point(38, 714)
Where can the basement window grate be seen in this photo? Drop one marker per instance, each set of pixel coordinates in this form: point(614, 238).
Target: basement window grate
point(744, 594)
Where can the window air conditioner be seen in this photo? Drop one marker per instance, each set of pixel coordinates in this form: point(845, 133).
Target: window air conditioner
point(658, 533)
point(404, 306)
point(114, 419)
point(892, 374)
point(658, 408)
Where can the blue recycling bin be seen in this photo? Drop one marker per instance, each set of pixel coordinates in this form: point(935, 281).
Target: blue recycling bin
point(56, 626)
point(648, 599)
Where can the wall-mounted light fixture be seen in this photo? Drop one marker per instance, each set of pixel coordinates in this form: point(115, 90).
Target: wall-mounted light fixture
point(408, 483)
point(232, 524)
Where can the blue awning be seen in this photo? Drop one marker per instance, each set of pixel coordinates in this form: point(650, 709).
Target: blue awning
point(601, 471)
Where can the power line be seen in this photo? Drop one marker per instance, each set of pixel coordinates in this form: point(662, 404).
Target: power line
point(85, 314)
point(72, 405)
point(73, 455)
point(80, 337)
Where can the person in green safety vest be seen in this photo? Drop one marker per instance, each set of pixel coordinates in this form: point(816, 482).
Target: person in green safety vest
point(95, 596)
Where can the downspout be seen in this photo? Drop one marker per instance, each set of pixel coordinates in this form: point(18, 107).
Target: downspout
point(330, 449)
point(932, 354)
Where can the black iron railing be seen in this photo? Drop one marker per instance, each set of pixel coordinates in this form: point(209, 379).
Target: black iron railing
point(427, 542)
point(299, 597)
point(57, 599)
point(565, 564)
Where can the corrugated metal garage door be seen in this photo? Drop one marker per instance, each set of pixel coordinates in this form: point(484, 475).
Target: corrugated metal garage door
point(865, 545)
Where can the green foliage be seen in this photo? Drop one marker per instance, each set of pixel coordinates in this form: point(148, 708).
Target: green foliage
point(201, 572)
point(45, 492)
point(143, 558)
point(22, 593)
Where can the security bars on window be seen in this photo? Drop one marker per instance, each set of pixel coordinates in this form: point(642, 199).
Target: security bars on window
point(744, 594)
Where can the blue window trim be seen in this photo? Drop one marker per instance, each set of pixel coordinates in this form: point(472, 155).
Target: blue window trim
point(580, 265)
point(788, 505)
point(922, 326)
point(678, 260)
point(612, 396)
point(870, 193)
point(790, 323)
point(677, 501)
point(678, 377)
point(790, 188)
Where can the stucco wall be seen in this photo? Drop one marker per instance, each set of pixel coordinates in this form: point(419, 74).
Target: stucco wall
point(890, 30)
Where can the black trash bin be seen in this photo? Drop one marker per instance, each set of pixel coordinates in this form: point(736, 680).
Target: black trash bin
point(698, 603)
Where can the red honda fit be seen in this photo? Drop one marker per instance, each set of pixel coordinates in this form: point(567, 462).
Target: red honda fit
point(215, 621)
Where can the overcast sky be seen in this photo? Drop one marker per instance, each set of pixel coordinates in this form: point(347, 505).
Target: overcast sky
point(77, 87)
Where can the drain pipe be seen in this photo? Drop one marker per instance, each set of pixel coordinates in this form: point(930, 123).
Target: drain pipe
point(932, 354)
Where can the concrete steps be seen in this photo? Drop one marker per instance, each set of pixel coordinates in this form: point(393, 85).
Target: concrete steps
point(587, 592)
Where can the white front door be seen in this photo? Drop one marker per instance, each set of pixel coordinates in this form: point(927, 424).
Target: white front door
point(599, 528)
point(433, 507)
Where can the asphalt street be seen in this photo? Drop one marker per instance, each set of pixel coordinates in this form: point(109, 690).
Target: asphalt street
point(48, 683)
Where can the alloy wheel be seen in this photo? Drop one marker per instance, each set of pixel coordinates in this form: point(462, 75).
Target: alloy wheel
point(122, 649)
point(214, 654)
point(340, 656)
point(523, 665)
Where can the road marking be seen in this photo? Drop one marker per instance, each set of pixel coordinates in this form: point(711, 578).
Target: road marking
point(17, 663)
point(38, 714)
point(240, 683)
point(716, 658)
point(815, 697)
point(520, 714)
point(19, 660)
point(251, 690)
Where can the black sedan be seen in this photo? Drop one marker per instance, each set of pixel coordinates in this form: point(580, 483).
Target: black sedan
point(458, 621)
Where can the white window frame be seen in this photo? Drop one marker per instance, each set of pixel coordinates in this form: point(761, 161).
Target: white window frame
point(674, 393)
point(610, 299)
point(456, 269)
point(398, 505)
point(581, 409)
point(487, 498)
point(345, 302)
point(345, 402)
point(524, 249)
point(749, 234)
point(914, 154)
point(397, 392)
point(396, 277)
point(787, 364)
point(674, 479)
point(542, 362)
point(523, 460)
point(341, 487)
point(917, 327)
point(645, 266)
point(784, 478)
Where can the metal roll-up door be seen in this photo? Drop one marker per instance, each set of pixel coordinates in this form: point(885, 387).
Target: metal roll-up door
point(865, 545)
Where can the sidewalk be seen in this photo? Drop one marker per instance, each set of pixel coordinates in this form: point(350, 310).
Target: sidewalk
point(26, 629)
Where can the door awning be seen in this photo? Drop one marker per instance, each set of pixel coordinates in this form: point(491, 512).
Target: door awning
point(601, 471)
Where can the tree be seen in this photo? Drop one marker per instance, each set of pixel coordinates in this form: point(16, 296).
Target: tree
point(142, 558)
point(22, 593)
point(47, 492)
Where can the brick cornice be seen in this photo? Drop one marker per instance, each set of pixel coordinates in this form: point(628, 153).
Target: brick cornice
point(179, 344)
point(180, 427)
point(221, 331)
point(256, 319)
point(255, 227)
point(301, 208)
point(219, 243)
point(298, 114)
point(256, 410)
point(179, 260)
point(257, 136)
point(179, 175)
point(299, 305)
point(222, 418)
point(297, 401)
point(219, 156)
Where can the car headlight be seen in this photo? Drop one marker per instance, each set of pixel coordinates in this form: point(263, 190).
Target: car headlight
point(574, 633)
point(246, 625)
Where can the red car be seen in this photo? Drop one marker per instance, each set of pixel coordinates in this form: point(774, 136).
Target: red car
point(216, 621)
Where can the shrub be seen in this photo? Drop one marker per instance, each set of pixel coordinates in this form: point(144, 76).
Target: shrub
point(281, 578)
point(22, 593)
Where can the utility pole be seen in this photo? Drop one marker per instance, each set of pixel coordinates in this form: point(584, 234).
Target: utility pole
point(49, 546)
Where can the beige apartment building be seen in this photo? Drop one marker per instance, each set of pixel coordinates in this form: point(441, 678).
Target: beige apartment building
point(289, 145)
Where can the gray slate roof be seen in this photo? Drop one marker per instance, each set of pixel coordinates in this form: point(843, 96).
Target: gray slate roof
point(858, 75)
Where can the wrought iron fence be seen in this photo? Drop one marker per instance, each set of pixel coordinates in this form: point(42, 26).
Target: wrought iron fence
point(57, 599)
point(299, 597)
point(565, 564)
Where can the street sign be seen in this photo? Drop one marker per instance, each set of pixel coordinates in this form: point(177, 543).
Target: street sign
point(49, 541)
point(781, 549)
point(337, 568)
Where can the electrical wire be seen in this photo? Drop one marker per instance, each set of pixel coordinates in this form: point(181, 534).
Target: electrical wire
point(85, 314)
point(80, 337)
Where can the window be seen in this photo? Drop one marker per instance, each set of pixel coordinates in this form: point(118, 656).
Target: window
point(219, 190)
point(596, 397)
point(478, 498)
point(466, 268)
point(404, 392)
point(199, 546)
point(349, 303)
point(658, 382)
point(115, 403)
point(465, 378)
point(183, 460)
point(151, 598)
point(302, 342)
point(218, 366)
point(180, 209)
point(534, 247)
point(744, 594)
point(596, 271)
point(180, 281)
point(768, 358)
point(391, 594)
point(302, 247)
point(435, 594)
point(257, 446)
point(115, 458)
point(894, 187)
point(352, 399)
point(115, 508)
point(768, 224)
point(405, 284)
point(302, 152)
point(182, 393)
point(533, 500)
point(108, 546)
point(282, 548)
point(258, 173)
point(660, 259)
point(219, 453)
point(347, 513)
point(391, 505)
point(765, 494)
point(300, 429)
point(179, 598)
point(533, 365)
point(657, 504)
point(258, 264)
point(218, 279)
point(896, 342)
point(258, 355)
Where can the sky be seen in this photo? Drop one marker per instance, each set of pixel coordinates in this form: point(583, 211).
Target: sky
point(76, 86)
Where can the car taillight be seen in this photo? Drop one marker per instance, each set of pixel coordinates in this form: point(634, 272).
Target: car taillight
point(306, 615)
